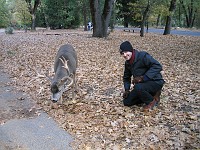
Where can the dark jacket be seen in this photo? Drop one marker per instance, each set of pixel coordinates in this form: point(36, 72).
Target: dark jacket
point(143, 65)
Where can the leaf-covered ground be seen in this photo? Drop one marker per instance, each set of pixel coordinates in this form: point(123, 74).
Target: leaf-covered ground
point(99, 120)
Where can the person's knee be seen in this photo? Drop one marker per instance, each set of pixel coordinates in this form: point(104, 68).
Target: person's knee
point(126, 102)
point(138, 88)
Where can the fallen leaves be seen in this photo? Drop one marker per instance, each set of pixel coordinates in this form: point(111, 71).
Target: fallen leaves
point(99, 120)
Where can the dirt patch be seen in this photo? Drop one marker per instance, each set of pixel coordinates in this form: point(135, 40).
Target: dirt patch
point(13, 103)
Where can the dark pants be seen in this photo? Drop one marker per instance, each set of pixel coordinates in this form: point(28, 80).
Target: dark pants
point(142, 93)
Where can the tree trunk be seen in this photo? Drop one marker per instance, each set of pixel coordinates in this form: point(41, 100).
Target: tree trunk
point(32, 11)
point(168, 26)
point(46, 21)
point(125, 21)
point(33, 22)
point(158, 20)
point(190, 14)
point(144, 19)
point(85, 15)
point(179, 16)
point(169, 17)
point(112, 20)
point(147, 26)
point(100, 21)
point(193, 18)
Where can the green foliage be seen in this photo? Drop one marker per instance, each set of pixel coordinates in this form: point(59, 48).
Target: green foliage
point(131, 11)
point(14, 13)
point(124, 11)
point(161, 10)
point(197, 22)
point(21, 14)
point(59, 14)
point(4, 14)
point(69, 13)
point(9, 30)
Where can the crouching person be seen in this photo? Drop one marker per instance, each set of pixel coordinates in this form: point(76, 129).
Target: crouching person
point(147, 78)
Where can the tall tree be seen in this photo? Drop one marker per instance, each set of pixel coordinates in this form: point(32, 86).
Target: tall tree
point(101, 19)
point(22, 14)
point(125, 11)
point(189, 11)
point(32, 7)
point(85, 12)
point(62, 13)
point(169, 17)
point(159, 12)
point(84, 9)
point(144, 19)
point(41, 15)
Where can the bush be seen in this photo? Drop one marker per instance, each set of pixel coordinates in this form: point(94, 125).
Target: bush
point(9, 30)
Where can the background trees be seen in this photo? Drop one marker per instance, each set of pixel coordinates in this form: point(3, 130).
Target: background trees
point(189, 10)
point(4, 15)
point(103, 13)
point(60, 14)
point(22, 14)
point(32, 7)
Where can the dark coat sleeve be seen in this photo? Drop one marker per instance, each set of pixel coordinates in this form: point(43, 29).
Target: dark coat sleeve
point(127, 76)
point(154, 66)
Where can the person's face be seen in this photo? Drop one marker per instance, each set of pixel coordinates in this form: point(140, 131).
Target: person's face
point(127, 55)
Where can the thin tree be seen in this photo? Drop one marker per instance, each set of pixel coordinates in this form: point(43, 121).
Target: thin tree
point(169, 17)
point(32, 9)
point(144, 19)
point(189, 13)
point(84, 9)
point(85, 12)
point(101, 19)
point(125, 11)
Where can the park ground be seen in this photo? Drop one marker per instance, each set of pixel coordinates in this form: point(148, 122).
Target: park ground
point(98, 120)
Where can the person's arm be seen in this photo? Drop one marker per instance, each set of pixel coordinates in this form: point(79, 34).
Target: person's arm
point(127, 78)
point(154, 67)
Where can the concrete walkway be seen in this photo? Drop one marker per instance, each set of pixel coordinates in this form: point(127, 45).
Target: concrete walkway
point(23, 126)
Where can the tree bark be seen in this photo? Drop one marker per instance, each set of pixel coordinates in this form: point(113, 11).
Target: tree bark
point(169, 17)
point(144, 19)
point(125, 21)
point(101, 20)
point(85, 15)
point(33, 22)
point(32, 11)
point(189, 13)
point(158, 20)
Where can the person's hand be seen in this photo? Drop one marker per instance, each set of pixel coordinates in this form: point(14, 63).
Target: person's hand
point(137, 79)
point(126, 93)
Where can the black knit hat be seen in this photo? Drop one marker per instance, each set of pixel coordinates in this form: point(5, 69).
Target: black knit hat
point(125, 46)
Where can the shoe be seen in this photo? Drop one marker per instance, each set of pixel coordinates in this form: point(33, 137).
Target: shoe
point(150, 106)
point(157, 97)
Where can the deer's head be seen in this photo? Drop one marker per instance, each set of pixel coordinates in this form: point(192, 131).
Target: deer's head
point(57, 88)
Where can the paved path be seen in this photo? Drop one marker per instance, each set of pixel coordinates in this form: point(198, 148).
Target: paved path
point(2, 31)
point(161, 31)
point(23, 126)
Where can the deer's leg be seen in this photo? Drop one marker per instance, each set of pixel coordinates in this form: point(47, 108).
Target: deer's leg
point(74, 88)
point(75, 83)
point(61, 99)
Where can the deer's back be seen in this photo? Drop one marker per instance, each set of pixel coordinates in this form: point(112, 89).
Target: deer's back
point(69, 53)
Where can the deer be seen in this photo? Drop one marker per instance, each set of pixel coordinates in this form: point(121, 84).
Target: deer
point(65, 65)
